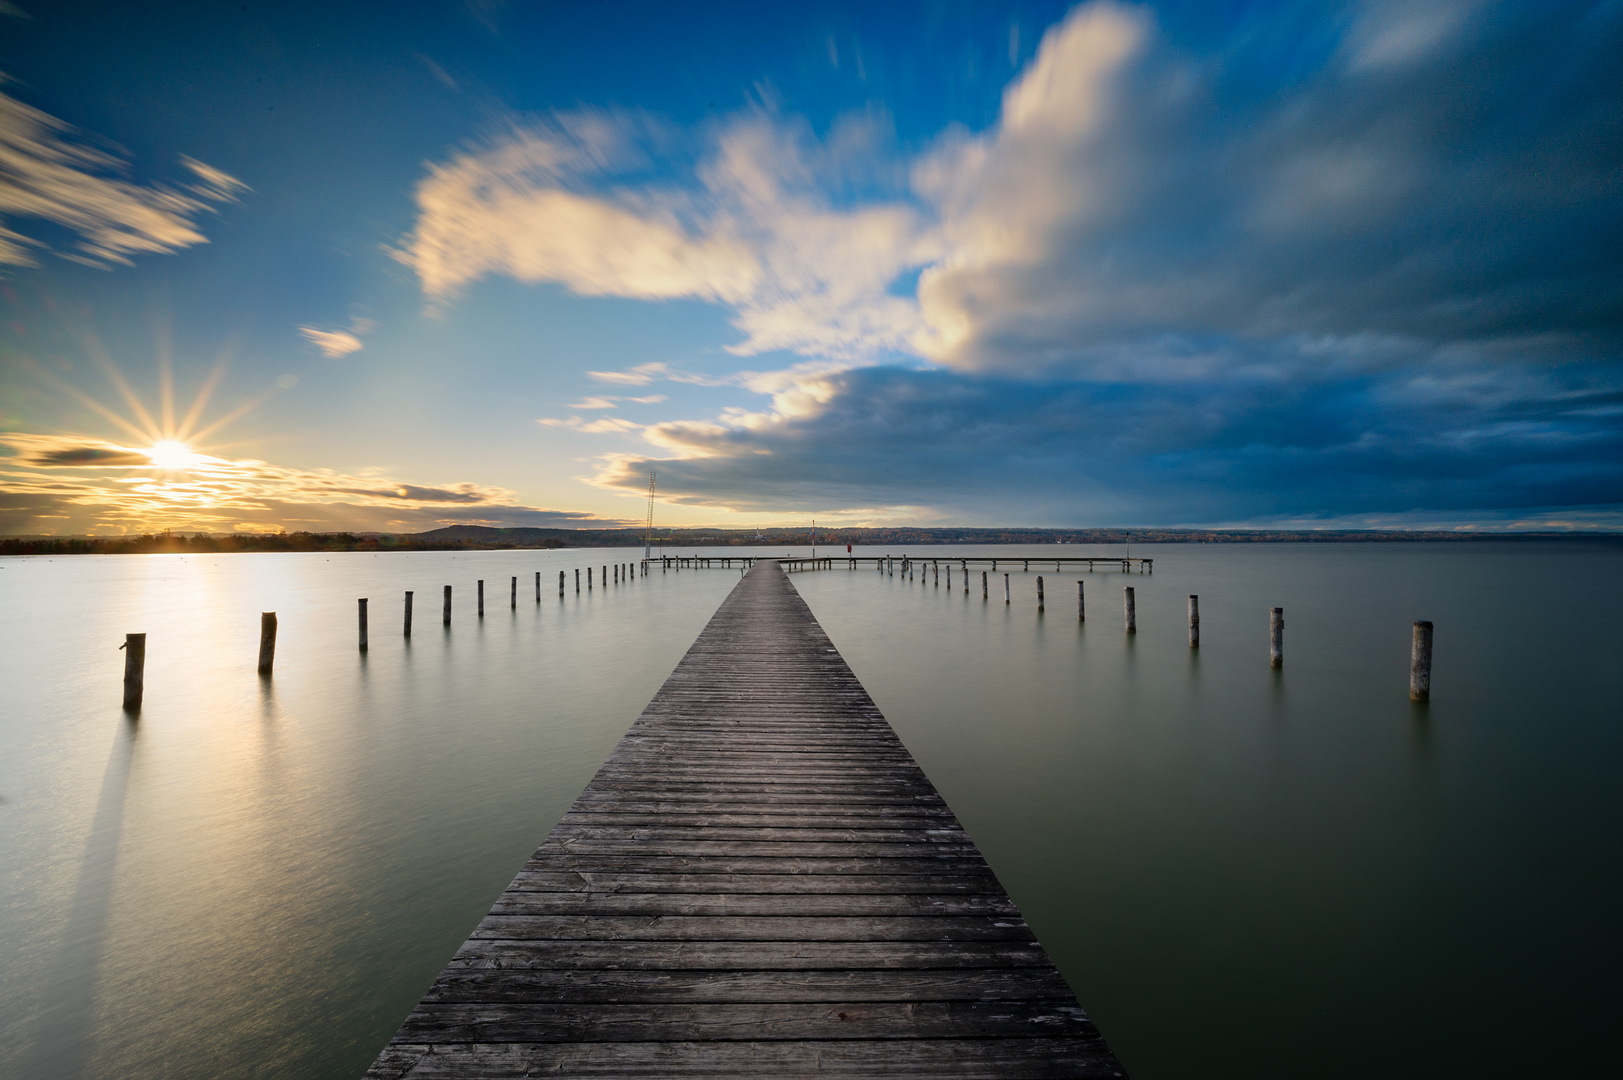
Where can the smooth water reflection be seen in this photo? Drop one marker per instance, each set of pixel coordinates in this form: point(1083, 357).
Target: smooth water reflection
point(1242, 871)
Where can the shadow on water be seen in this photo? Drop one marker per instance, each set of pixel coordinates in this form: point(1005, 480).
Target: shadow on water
point(62, 1048)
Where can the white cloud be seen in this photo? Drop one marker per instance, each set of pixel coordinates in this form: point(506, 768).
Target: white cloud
point(47, 175)
point(335, 344)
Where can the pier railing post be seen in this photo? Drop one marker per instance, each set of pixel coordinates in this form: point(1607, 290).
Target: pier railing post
point(1194, 621)
point(267, 641)
point(135, 662)
point(1276, 637)
point(1420, 662)
point(408, 614)
point(1129, 609)
point(361, 605)
point(1081, 608)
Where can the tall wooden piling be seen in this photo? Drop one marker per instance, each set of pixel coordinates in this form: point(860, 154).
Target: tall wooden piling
point(1039, 592)
point(408, 613)
point(481, 598)
point(1194, 621)
point(1081, 608)
point(1005, 588)
point(512, 596)
point(1276, 637)
point(588, 577)
point(446, 615)
point(361, 613)
point(984, 594)
point(135, 663)
point(538, 585)
point(577, 581)
point(1420, 662)
point(1130, 610)
point(561, 580)
point(267, 641)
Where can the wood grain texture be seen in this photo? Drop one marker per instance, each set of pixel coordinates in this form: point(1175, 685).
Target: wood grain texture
point(760, 881)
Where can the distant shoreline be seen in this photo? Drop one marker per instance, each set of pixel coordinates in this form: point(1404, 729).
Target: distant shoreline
point(484, 538)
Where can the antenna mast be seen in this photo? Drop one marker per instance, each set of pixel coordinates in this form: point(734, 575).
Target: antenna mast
point(648, 534)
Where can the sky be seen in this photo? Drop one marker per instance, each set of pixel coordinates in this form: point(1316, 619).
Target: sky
point(396, 266)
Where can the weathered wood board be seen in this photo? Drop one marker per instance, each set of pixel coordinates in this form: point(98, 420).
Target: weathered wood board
point(761, 882)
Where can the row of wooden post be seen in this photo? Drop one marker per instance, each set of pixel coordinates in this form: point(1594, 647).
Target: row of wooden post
point(1419, 651)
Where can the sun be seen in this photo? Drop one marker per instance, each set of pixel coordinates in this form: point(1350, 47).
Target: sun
point(171, 454)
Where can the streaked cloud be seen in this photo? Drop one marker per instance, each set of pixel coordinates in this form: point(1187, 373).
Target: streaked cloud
point(336, 344)
point(64, 483)
point(49, 173)
point(600, 401)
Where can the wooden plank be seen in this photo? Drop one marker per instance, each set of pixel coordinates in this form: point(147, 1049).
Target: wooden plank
point(759, 881)
point(857, 1019)
point(748, 955)
point(1055, 1058)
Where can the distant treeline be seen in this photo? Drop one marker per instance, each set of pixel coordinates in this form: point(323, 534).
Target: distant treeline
point(483, 538)
point(295, 541)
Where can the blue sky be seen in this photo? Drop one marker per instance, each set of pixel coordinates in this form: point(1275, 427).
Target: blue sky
point(396, 266)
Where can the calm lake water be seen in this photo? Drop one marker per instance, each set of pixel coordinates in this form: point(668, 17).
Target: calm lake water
point(1242, 871)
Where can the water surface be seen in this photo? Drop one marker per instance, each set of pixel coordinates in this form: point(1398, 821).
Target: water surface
point(1242, 871)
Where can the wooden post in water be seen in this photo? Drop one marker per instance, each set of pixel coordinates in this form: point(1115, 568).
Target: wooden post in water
point(936, 568)
point(135, 663)
point(481, 598)
point(512, 596)
point(538, 584)
point(1005, 588)
point(445, 617)
point(1276, 637)
point(1039, 592)
point(588, 577)
point(408, 614)
point(605, 577)
point(984, 594)
point(361, 604)
point(267, 641)
point(1081, 609)
point(577, 581)
point(1194, 621)
point(561, 580)
point(1419, 662)
point(1130, 610)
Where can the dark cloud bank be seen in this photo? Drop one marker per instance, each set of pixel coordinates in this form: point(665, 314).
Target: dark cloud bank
point(1369, 269)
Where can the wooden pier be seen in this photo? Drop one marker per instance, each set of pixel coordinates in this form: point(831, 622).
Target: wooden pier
point(760, 881)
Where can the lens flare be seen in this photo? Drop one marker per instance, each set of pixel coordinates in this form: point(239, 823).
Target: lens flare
point(171, 454)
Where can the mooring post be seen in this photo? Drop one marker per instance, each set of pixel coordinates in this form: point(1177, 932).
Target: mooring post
point(538, 586)
point(1039, 592)
point(1129, 609)
point(361, 604)
point(512, 596)
point(577, 581)
point(1194, 621)
point(935, 567)
point(481, 598)
point(605, 577)
point(1419, 662)
point(445, 616)
point(267, 641)
point(1276, 637)
point(408, 614)
point(588, 577)
point(984, 594)
point(135, 662)
point(561, 580)
point(1005, 588)
point(1081, 611)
